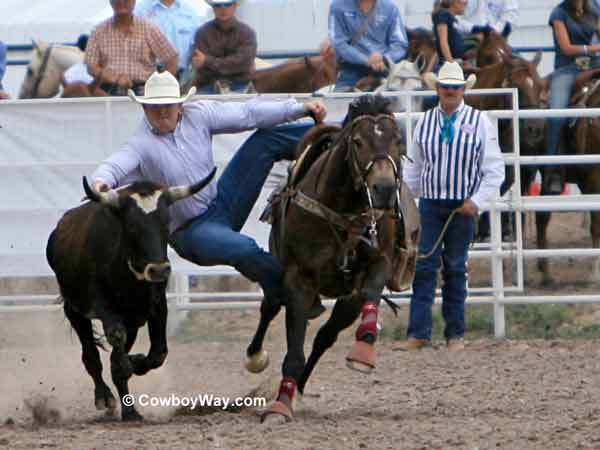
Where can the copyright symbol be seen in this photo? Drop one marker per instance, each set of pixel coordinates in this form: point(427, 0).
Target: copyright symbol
point(128, 400)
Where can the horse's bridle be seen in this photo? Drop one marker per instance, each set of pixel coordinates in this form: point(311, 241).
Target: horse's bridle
point(360, 174)
point(41, 71)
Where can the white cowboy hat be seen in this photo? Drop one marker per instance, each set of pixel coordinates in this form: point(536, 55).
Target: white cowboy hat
point(161, 89)
point(450, 73)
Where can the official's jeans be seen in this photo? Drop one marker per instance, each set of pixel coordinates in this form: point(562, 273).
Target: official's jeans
point(214, 237)
point(560, 94)
point(452, 252)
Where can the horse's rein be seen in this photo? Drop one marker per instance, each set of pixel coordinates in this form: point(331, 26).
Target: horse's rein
point(440, 237)
point(42, 71)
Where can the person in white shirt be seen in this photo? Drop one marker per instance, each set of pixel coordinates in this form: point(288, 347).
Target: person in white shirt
point(455, 167)
point(76, 80)
point(485, 15)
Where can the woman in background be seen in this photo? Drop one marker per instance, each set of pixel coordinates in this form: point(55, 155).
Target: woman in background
point(574, 24)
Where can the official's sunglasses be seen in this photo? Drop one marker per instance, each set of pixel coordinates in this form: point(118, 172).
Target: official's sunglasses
point(451, 86)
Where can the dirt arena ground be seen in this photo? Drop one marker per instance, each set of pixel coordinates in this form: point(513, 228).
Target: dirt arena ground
point(496, 394)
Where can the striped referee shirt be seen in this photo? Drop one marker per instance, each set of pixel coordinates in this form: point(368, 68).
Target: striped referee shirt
point(471, 166)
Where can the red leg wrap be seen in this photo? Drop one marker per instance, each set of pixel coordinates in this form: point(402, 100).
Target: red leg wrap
point(287, 389)
point(368, 325)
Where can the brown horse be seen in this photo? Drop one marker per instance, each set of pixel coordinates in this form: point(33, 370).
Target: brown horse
point(500, 68)
point(421, 43)
point(580, 139)
point(299, 75)
point(336, 230)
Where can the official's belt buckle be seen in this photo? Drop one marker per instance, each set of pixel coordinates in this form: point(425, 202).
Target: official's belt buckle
point(583, 62)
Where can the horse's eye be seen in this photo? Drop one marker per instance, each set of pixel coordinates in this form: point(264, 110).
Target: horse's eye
point(357, 141)
point(29, 72)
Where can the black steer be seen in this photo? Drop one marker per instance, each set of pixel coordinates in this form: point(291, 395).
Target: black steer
point(110, 259)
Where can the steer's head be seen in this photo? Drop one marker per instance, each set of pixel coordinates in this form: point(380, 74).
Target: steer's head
point(143, 209)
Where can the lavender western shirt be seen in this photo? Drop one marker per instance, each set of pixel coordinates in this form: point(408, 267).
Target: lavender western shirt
point(185, 156)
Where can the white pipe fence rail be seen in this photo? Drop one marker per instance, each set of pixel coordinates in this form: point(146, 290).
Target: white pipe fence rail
point(501, 294)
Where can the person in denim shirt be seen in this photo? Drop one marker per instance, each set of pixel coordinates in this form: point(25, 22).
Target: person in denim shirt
point(367, 35)
point(3, 94)
point(574, 24)
point(177, 20)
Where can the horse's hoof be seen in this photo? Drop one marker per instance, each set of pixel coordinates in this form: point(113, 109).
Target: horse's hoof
point(131, 415)
point(105, 400)
point(278, 410)
point(257, 362)
point(361, 357)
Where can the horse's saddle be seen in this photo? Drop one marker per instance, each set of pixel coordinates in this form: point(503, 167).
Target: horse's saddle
point(313, 144)
point(575, 137)
point(581, 86)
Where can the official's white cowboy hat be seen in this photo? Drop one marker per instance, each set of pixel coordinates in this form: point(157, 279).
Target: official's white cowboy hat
point(450, 73)
point(161, 89)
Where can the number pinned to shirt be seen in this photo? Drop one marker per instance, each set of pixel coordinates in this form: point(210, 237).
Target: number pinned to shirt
point(467, 128)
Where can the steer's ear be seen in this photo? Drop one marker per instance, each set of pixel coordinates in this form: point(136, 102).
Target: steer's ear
point(110, 198)
point(180, 192)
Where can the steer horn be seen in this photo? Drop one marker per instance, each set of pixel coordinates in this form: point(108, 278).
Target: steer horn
point(110, 198)
point(180, 192)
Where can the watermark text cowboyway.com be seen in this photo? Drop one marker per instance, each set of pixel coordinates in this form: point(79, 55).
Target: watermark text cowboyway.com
point(193, 401)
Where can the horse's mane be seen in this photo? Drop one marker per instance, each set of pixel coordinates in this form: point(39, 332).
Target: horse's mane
point(367, 105)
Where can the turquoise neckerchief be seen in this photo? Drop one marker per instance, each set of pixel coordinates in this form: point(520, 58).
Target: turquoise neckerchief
point(448, 126)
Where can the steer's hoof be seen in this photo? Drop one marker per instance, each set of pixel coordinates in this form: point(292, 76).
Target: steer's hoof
point(361, 357)
point(257, 362)
point(278, 410)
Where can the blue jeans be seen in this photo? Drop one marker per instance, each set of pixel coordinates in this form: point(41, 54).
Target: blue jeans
point(560, 94)
point(453, 252)
point(214, 237)
point(349, 76)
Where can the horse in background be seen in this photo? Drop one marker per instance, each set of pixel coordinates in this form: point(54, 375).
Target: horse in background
point(299, 75)
point(499, 68)
point(421, 43)
point(46, 67)
point(404, 76)
point(582, 139)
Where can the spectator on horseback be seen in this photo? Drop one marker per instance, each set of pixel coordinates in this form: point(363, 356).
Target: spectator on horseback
point(574, 24)
point(76, 80)
point(455, 166)
point(3, 94)
point(450, 42)
point(173, 146)
point(224, 51)
point(482, 16)
point(124, 50)
point(177, 20)
point(369, 36)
